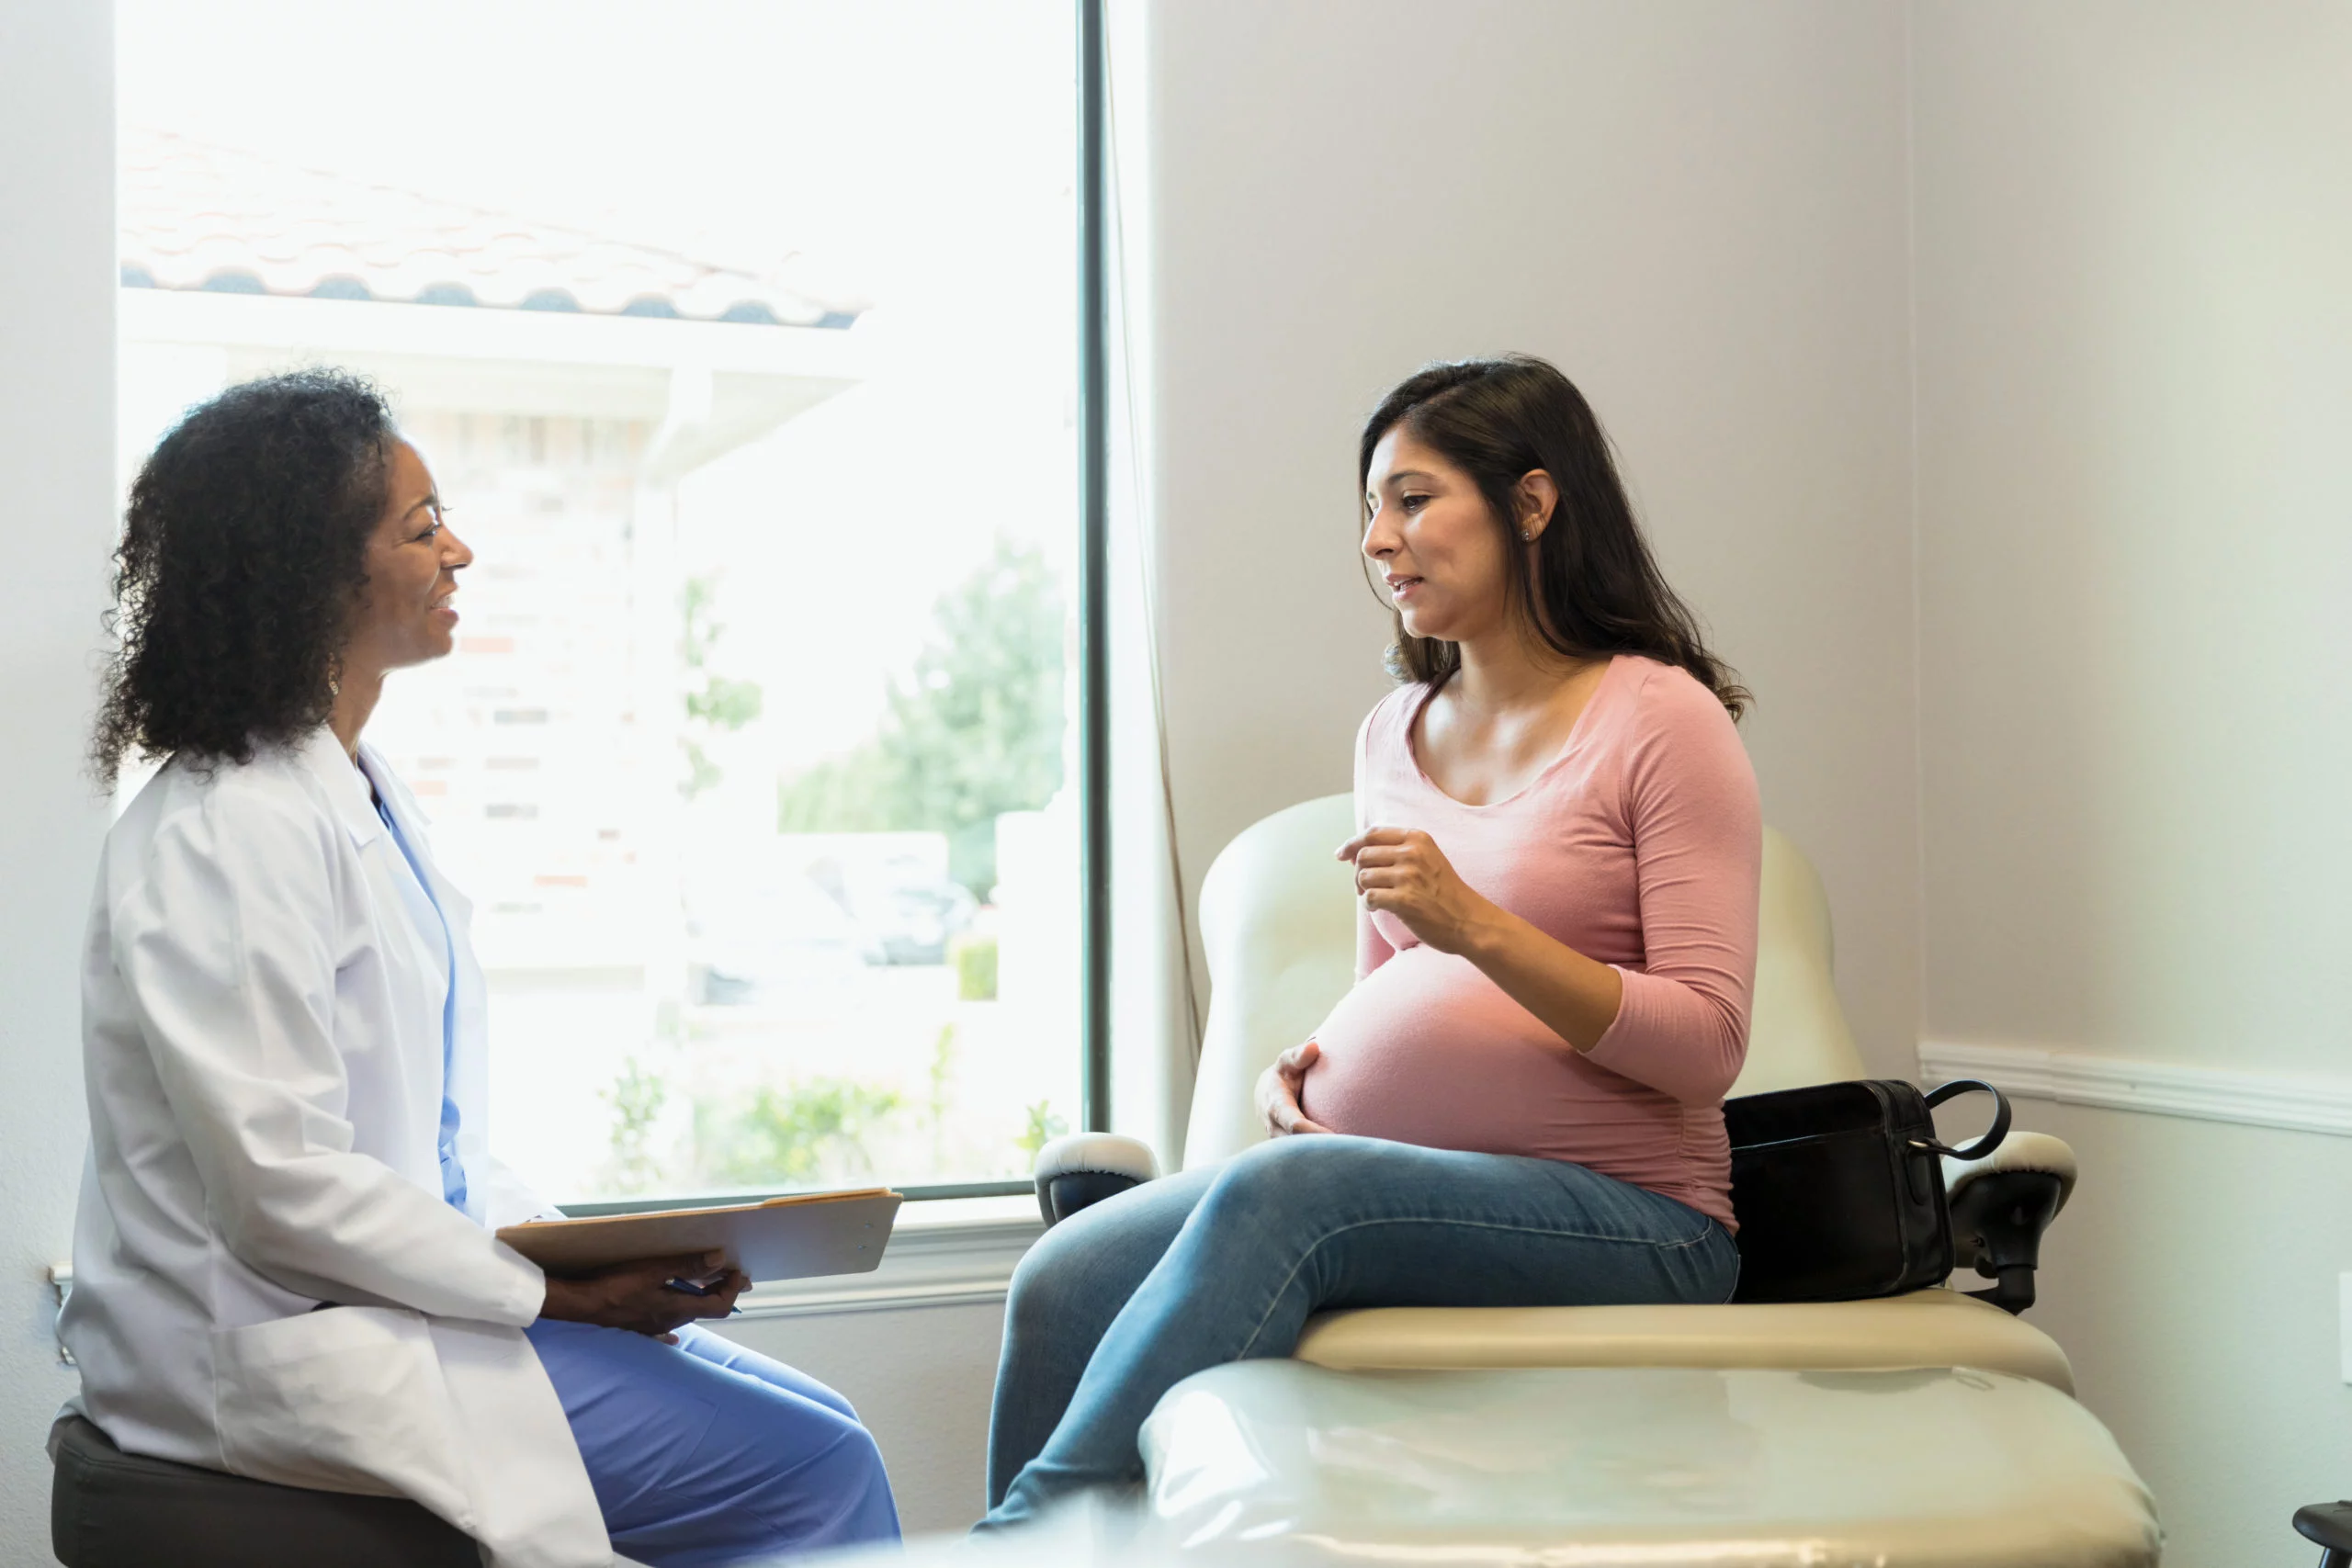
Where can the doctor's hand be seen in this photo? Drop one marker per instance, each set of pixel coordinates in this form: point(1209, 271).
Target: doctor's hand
point(637, 1296)
point(1278, 1090)
point(1402, 870)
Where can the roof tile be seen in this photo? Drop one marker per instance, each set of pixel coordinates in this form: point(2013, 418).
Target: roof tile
point(197, 216)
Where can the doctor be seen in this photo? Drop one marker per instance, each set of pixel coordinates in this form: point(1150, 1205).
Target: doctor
point(283, 1265)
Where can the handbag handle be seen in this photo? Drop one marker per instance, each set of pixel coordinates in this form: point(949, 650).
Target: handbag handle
point(1993, 1134)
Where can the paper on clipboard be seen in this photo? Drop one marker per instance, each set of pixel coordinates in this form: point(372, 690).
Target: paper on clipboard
point(782, 1238)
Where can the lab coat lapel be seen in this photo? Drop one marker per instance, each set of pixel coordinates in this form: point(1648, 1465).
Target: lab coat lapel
point(456, 907)
point(493, 1195)
point(347, 791)
point(407, 941)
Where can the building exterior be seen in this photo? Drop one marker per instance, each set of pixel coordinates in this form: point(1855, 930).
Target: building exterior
point(561, 384)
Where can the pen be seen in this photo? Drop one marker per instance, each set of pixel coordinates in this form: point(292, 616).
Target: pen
point(690, 1287)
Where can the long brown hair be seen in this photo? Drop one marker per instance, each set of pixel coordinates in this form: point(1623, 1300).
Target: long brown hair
point(1595, 589)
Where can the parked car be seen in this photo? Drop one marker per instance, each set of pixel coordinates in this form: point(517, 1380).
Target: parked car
point(803, 904)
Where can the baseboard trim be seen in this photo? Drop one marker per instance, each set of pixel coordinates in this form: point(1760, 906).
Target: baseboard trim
point(2159, 1089)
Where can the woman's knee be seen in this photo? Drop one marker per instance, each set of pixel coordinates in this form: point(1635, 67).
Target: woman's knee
point(1306, 1172)
point(1084, 1269)
point(794, 1437)
point(857, 1456)
point(720, 1351)
point(832, 1400)
point(854, 1469)
point(1046, 1285)
point(838, 1495)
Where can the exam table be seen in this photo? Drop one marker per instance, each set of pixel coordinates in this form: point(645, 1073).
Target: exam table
point(1934, 1429)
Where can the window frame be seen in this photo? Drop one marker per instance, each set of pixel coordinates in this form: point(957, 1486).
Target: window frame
point(1093, 654)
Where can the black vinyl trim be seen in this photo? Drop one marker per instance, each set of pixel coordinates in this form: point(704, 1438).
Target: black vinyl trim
point(1094, 578)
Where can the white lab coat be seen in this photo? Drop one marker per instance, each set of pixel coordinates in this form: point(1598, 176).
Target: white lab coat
point(262, 1045)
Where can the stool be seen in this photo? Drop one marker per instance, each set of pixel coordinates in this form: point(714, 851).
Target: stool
point(111, 1509)
point(1607, 1467)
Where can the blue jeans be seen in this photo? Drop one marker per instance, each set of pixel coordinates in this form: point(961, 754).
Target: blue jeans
point(704, 1453)
point(1123, 1300)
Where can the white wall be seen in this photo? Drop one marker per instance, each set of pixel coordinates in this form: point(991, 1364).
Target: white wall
point(2192, 1281)
point(2135, 517)
point(1697, 210)
point(56, 449)
point(2135, 374)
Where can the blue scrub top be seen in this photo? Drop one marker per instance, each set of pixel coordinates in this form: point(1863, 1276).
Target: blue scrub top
point(453, 1173)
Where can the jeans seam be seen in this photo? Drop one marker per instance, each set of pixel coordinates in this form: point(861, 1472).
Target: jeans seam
point(1283, 1289)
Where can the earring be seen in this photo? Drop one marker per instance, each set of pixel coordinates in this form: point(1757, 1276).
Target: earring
point(1527, 536)
point(334, 688)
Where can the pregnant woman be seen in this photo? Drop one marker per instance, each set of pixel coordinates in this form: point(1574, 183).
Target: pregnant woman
point(1520, 1103)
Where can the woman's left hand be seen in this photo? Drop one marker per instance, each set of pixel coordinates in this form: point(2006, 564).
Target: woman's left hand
point(1402, 870)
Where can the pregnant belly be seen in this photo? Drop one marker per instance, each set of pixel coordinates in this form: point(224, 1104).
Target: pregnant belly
point(1427, 1050)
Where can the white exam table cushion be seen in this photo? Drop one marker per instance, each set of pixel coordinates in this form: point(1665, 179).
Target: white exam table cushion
point(1936, 1328)
point(1613, 1467)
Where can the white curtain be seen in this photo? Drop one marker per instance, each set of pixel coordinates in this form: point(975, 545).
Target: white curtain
point(1155, 1023)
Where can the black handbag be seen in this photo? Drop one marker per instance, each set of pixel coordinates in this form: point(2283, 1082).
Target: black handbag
point(1840, 1188)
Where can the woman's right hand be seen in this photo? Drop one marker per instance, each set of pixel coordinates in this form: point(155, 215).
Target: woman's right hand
point(1278, 1090)
point(637, 1296)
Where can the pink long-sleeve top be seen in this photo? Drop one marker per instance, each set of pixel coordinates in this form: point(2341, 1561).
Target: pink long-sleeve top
point(1640, 846)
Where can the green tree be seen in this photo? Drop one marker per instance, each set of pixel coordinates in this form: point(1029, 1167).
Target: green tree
point(713, 702)
point(790, 1136)
point(637, 1097)
point(973, 731)
point(1042, 1129)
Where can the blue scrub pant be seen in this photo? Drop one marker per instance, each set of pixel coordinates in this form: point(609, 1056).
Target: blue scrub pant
point(1121, 1302)
point(704, 1453)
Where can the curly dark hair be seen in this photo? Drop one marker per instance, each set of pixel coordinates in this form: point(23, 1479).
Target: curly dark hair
point(1600, 589)
point(242, 555)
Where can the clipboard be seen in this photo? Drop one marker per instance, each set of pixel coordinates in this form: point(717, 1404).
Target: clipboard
point(797, 1237)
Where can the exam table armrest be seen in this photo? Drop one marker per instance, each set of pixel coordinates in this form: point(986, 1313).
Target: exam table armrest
point(2000, 1203)
point(1083, 1168)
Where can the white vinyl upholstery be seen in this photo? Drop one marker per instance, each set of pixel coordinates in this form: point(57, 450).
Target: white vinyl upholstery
point(1938, 1327)
point(1278, 924)
point(1796, 1031)
point(1281, 1463)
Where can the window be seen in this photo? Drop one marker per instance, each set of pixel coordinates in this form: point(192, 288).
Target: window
point(743, 339)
